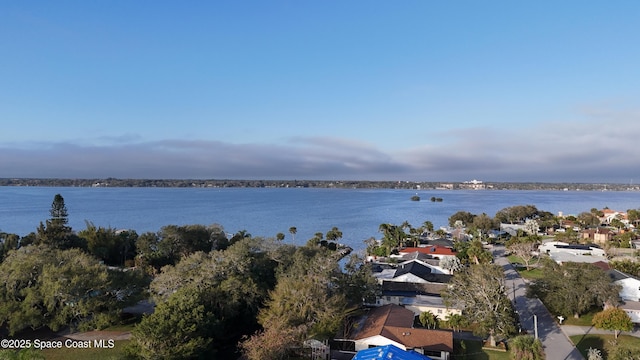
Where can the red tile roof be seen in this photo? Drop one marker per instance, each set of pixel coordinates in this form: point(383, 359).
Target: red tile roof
point(431, 250)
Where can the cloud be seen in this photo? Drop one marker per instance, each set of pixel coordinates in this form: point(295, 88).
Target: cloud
point(599, 147)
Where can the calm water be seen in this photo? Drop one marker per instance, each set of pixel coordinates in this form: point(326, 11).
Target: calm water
point(265, 212)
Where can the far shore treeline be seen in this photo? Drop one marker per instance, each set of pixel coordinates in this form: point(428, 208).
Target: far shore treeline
point(340, 184)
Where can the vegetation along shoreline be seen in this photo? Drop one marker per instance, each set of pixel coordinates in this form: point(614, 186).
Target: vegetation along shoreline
point(338, 184)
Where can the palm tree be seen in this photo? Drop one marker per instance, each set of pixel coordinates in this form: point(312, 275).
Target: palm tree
point(293, 232)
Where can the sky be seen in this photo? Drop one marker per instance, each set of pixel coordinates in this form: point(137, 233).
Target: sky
point(508, 91)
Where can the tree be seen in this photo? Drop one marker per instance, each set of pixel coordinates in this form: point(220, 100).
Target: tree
point(633, 215)
point(393, 236)
point(279, 236)
point(172, 242)
point(531, 227)
point(334, 234)
point(463, 216)
point(228, 287)
point(626, 266)
point(569, 235)
point(526, 347)
point(177, 329)
point(624, 352)
point(614, 319)
point(111, 246)
point(55, 231)
point(480, 291)
point(523, 247)
point(517, 214)
point(483, 223)
point(59, 211)
point(573, 288)
point(478, 254)
point(428, 226)
point(308, 301)
point(588, 219)
point(293, 231)
point(456, 321)
point(617, 223)
point(428, 320)
point(55, 288)
point(8, 242)
point(451, 264)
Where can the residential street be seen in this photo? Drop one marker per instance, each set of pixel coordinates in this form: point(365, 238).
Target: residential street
point(556, 344)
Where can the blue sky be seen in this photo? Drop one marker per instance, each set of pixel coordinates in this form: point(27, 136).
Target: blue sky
point(373, 90)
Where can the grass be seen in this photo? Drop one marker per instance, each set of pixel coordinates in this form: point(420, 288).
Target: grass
point(583, 320)
point(518, 260)
point(95, 354)
point(474, 351)
point(532, 274)
point(605, 343)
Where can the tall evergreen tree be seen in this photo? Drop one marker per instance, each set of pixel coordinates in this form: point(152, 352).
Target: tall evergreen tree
point(55, 231)
point(58, 212)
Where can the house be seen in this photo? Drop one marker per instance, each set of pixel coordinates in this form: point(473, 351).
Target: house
point(433, 250)
point(629, 293)
point(630, 285)
point(632, 308)
point(599, 235)
point(413, 271)
point(389, 352)
point(551, 247)
point(426, 259)
point(608, 215)
point(416, 297)
point(393, 325)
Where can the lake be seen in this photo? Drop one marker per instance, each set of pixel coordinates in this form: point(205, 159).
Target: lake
point(268, 211)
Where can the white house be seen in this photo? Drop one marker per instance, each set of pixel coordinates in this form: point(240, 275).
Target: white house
point(434, 304)
point(632, 308)
point(551, 247)
point(630, 290)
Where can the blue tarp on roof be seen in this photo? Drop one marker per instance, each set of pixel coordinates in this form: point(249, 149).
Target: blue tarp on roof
point(389, 352)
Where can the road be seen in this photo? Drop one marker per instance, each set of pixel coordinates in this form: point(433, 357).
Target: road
point(556, 344)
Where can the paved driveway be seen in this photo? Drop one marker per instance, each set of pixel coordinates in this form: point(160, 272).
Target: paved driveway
point(556, 344)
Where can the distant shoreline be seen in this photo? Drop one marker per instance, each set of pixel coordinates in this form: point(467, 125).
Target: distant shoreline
point(338, 184)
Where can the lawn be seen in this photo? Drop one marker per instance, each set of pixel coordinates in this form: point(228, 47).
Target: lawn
point(532, 274)
point(474, 351)
point(518, 260)
point(583, 320)
point(95, 354)
point(602, 342)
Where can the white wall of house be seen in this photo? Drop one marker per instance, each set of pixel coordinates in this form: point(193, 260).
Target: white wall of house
point(377, 340)
point(549, 248)
point(442, 312)
point(630, 289)
point(380, 340)
point(409, 278)
point(634, 315)
point(434, 269)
